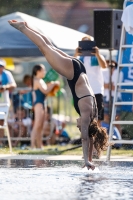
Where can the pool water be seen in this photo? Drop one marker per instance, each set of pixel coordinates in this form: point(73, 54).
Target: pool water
point(65, 180)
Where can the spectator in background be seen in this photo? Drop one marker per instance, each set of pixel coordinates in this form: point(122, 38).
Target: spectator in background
point(127, 110)
point(24, 97)
point(39, 92)
point(110, 73)
point(27, 95)
point(7, 84)
point(93, 65)
point(111, 67)
point(27, 81)
point(63, 136)
point(20, 126)
point(49, 128)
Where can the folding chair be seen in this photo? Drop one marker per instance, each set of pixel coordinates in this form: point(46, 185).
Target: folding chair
point(4, 110)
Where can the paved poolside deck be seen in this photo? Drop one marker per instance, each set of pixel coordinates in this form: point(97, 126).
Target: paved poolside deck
point(61, 157)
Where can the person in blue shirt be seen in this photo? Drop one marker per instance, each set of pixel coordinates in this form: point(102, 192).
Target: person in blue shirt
point(7, 84)
point(64, 137)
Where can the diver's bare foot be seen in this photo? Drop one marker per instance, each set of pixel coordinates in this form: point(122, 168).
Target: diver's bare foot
point(18, 25)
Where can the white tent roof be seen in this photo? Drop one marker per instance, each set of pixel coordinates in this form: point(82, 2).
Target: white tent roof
point(15, 44)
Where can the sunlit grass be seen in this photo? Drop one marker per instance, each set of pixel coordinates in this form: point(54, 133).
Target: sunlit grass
point(62, 150)
point(73, 133)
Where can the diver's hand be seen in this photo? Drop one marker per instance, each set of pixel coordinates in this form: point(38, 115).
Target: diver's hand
point(89, 165)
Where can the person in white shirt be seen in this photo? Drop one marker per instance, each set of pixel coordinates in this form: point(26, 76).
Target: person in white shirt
point(127, 19)
point(7, 84)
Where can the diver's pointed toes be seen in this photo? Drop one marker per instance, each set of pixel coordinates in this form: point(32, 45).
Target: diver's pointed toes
point(9, 21)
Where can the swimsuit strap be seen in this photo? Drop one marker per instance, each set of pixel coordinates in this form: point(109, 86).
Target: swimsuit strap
point(85, 96)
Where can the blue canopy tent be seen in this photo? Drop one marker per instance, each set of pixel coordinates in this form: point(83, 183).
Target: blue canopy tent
point(15, 44)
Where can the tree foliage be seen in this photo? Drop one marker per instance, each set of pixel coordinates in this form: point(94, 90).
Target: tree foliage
point(8, 6)
point(117, 3)
point(32, 6)
point(23, 3)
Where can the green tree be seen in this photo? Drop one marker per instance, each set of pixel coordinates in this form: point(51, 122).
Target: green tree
point(32, 6)
point(27, 6)
point(117, 3)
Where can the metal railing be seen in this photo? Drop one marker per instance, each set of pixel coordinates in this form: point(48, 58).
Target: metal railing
point(20, 98)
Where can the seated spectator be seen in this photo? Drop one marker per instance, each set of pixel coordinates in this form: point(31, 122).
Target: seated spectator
point(63, 136)
point(27, 81)
point(23, 97)
point(27, 95)
point(20, 126)
point(49, 128)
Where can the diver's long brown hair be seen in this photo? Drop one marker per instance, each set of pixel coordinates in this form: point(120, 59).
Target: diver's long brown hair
point(100, 136)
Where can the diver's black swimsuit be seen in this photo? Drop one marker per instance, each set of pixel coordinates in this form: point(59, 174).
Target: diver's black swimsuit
point(78, 69)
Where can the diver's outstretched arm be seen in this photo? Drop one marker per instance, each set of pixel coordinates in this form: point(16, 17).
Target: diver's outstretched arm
point(90, 148)
point(87, 145)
